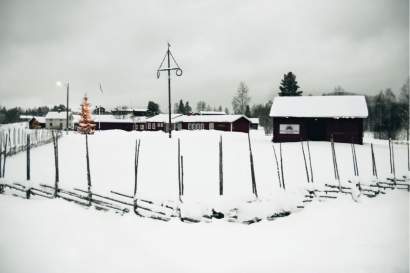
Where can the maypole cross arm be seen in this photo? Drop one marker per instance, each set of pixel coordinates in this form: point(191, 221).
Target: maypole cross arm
point(178, 71)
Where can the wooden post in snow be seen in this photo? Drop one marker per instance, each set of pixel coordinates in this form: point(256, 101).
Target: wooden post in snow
point(281, 165)
point(1, 148)
point(252, 170)
point(304, 158)
point(28, 157)
point(310, 162)
point(277, 166)
point(373, 161)
point(5, 156)
point(408, 157)
point(88, 170)
point(179, 170)
point(137, 153)
point(55, 143)
point(394, 167)
point(182, 175)
point(221, 185)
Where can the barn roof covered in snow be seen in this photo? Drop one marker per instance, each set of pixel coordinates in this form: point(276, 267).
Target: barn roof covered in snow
point(58, 115)
point(210, 118)
point(320, 106)
point(162, 118)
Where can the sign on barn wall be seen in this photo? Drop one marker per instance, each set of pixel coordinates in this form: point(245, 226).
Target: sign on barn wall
point(289, 129)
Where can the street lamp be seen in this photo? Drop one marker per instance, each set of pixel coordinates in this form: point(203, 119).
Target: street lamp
point(68, 88)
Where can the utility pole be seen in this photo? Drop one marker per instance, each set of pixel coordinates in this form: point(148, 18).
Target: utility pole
point(178, 72)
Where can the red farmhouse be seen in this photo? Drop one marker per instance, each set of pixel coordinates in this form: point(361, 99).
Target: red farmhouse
point(318, 118)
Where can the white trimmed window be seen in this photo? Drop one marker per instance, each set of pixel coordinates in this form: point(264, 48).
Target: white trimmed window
point(202, 126)
point(159, 125)
point(153, 126)
point(149, 126)
point(197, 126)
point(162, 124)
point(189, 126)
point(142, 127)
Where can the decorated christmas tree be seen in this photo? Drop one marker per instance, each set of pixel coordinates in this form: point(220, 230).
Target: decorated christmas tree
point(86, 121)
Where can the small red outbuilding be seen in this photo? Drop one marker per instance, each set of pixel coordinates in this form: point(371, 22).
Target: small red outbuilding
point(319, 118)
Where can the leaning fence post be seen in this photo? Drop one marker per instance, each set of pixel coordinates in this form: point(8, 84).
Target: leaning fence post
point(304, 158)
point(373, 161)
point(5, 156)
point(252, 170)
point(179, 170)
point(55, 144)
point(394, 167)
point(310, 161)
point(28, 157)
point(182, 175)
point(220, 168)
point(281, 165)
point(88, 170)
point(137, 153)
point(1, 149)
point(277, 166)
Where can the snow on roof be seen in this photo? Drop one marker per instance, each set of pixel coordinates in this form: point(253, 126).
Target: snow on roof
point(320, 106)
point(57, 115)
point(210, 118)
point(39, 119)
point(254, 120)
point(212, 113)
point(162, 118)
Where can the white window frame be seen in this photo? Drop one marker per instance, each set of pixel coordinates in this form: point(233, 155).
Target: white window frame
point(197, 126)
point(142, 127)
point(153, 126)
point(202, 126)
point(189, 126)
point(149, 126)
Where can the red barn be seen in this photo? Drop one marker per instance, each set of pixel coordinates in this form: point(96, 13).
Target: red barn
point(230, 123)
point(319, 118)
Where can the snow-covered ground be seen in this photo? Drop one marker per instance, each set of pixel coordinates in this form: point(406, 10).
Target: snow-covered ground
point(41, 235)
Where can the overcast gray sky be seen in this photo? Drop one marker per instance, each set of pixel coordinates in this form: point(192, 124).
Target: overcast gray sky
point(361, 45)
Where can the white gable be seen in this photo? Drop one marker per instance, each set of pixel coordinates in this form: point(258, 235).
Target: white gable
point(320, 106)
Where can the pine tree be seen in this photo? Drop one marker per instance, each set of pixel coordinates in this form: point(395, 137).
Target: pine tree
point(187, 108)
point(86, 121)
point(153, 109)
point(289, 86)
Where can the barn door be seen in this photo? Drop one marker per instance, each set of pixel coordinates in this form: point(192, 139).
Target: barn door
point(211, 126)
point(316, 130)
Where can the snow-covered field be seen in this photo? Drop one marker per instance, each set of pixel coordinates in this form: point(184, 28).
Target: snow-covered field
point(41, 235)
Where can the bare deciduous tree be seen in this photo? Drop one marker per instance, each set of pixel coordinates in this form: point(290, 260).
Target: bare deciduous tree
point(241, 100)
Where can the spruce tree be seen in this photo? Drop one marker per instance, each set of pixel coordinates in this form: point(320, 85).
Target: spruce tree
point(289, 86)
point(86, 122)
point(181, 108)
point(247, 111)
point(153, 109)
point(187, 108)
